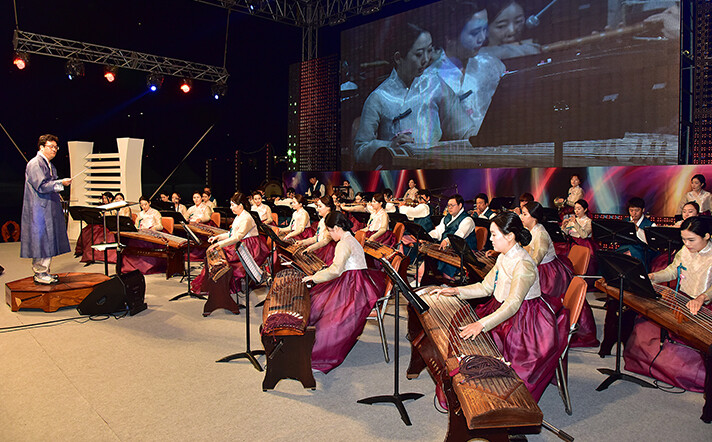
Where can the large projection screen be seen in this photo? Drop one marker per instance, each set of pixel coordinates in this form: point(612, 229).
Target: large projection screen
point(467, 84)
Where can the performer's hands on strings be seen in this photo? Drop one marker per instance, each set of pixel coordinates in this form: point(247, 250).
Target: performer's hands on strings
point(696, 304)
point(444, 244)
point(445, 291)
point(307, 279)
point(470, 331)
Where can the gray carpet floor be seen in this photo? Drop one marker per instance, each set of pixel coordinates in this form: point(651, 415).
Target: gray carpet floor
point(153, 376)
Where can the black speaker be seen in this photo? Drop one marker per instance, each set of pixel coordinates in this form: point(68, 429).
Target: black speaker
point(118, 294)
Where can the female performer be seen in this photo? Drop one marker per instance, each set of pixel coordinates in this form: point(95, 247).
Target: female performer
point(124, 211)
point(575, 194)
point(524, 326)
point(199, 212)
point(243, 229)
point(148, 217)
point(506, 24)
point(377, 227)
point(299, 227)
point(343, 296)
point(669, 358)
point(262, 209)
point(690, 208)
point(412, 192)
point(321, 243)
point(698, 194)
point(177, 206)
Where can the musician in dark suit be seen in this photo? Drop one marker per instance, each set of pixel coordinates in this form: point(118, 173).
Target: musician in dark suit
point(522, 324)
point(343, 296)
point(636, 210)
point(43, 231)
point(456, 222)
point(315, 187)
point(482, 207)
point(677, 363)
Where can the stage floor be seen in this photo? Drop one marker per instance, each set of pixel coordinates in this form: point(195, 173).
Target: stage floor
point(153, 376)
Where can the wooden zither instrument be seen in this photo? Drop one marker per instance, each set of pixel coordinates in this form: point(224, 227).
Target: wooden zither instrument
point(170, 247)
point(286, 338)
point(485, 396)
point(671, 313)
point(296, 256)
point(449, 256)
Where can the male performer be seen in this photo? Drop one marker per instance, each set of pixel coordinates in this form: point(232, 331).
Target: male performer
point(316, 186)
point(482, 207)
point(43, 232)
point(456, 222)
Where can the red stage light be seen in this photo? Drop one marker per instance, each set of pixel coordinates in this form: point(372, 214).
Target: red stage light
point(186, 85)
point(110, 73)
point(20, 60)
point(109, 77)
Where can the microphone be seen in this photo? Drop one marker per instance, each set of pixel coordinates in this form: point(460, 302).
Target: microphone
point(533, 20)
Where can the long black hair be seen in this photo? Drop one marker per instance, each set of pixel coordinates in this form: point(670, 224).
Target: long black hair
point(696, 225)
point(338, 219)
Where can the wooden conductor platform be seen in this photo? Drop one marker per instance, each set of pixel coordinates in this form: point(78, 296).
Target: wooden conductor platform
point(71, 290)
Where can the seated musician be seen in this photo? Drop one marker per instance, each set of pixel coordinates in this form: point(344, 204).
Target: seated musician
point(690, 208)
point(106, 198)
point(164, 197)
point(579, 228)
point(288, 200)
point(211, 198)
point(525, 329)
point(348, 191)
point(456, 222)
point(388, 196)
point(555, 271)
point(412, 192)
point(321, 243)
point(124, 211)
point(504, 33)
point(524, 198)
point(482, 209)
point(636, 210)
point(359, 205)
point(243, 229)
point(698, 194)
point(94, 234)
point(314, 187)
point(299, 227)
point(377, 227)
point(420, 213)
point(148, 218)
point(262, 209)
point(575, 193)
point(668, 358)
point(200, 212)
point(343, 296)
point(177, 206)
point(207, 200)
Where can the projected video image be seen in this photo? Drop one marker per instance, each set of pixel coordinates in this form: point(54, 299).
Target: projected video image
point(502, 83)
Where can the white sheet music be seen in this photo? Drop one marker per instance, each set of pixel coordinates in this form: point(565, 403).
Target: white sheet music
point(112, 206)
point(251, 267)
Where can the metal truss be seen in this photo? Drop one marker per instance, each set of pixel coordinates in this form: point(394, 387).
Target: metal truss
point(303, 13)
point(122, 58)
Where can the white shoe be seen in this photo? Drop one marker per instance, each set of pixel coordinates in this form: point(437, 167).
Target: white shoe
point(44, 278)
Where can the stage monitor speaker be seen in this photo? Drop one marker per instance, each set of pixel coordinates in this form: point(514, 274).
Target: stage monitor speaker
point(116, 295)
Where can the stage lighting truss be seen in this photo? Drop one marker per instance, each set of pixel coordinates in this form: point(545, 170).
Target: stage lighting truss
point(20, 60)
point(154, 81)
point(218, 90)
point(110, 73)
point(74, 68)
point(31, 43)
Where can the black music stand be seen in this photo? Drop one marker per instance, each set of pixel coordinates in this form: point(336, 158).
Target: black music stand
point(502, 203)
point(664, 238)
point(253, 272)
point(191, 237)
point(554, 230)
point(420, 234)
point(397, 398)
point(361, 217)
point(460, 247)
point(627, 273)
point(161, 205)
point(89, 216)
point(118, 224)
point(178, 217)
point(396, 217)
point(284, 213)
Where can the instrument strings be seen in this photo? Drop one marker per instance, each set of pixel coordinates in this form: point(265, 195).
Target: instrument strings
point(453, 313)
point(676, 302)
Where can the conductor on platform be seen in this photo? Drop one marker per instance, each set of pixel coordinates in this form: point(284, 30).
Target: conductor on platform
point(43, 231)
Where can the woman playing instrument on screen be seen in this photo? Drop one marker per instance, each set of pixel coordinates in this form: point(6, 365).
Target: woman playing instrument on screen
point(664, 356)
point(524, 326)
point(506, 24)
point(343, 296)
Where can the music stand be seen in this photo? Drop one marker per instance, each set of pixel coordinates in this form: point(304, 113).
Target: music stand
point(89, 216)
point(191, 237)
point(117, 225)
point(397, 398)
point(225, 213)
point(178, 217)
point(663, 238)
point(460, 247)
point(501, 203)
point(252, 272)
point(161, 205)
point(553, 228)
point(627, 273)
point(420, 234)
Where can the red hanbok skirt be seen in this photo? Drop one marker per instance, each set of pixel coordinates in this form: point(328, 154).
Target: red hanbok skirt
point(676, 363)
point(339, 309)
point(326, 253)
point(259, 251)
point(387, 239)
point(532, 340)
point(94, 234)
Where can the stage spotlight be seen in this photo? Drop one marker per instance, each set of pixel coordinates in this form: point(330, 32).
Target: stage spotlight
point(110, 73)
point(20, 60)
point(218, 90)
point(186, 85)
point(154, 82)
point(74, 68)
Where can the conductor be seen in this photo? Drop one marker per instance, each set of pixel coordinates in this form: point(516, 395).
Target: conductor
point(43, 231)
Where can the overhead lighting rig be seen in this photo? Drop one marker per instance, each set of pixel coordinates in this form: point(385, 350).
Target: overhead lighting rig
point(20, 60)
point(74, 68)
